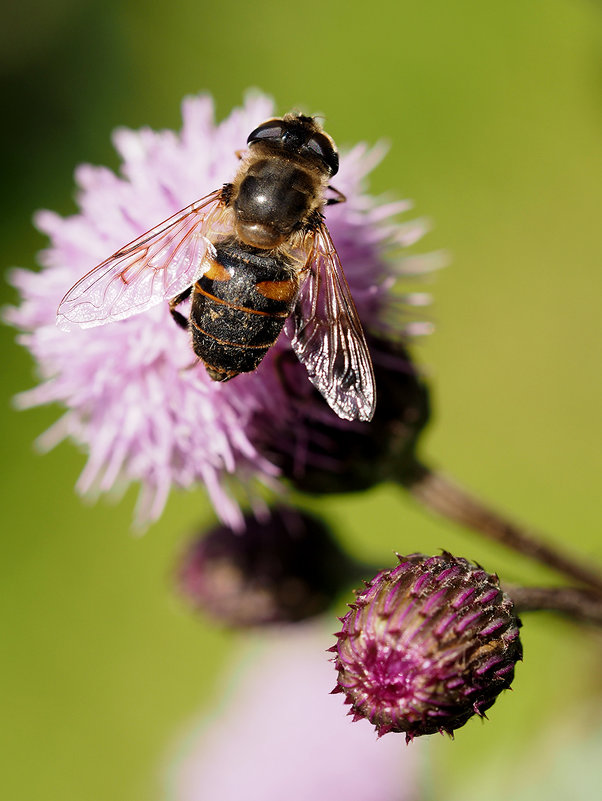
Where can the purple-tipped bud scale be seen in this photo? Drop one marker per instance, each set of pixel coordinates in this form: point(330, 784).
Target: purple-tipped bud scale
point(426, 646)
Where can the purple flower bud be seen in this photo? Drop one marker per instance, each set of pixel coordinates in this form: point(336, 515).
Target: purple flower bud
point(426, 646)
point(282, 569)
point(320, 453)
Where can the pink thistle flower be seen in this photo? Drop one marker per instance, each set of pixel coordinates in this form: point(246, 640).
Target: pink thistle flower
point(281, 735)
point(131, 400)
point(426, 646)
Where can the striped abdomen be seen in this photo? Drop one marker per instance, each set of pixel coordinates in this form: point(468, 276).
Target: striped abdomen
point(238, 310)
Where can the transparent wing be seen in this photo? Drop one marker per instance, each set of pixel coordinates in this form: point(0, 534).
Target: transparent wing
point(159, 264)
point(328, 337)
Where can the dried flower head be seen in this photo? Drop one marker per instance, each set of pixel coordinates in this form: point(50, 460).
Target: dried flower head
point(283, 567)
point(426, 646)
point(133, 400)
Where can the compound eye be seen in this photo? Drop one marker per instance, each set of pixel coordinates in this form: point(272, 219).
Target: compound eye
point(321, 146)
point(271, 129)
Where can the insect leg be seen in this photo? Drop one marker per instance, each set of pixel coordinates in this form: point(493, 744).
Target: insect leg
point(179, 318)
point(282, 363)
point(340, 197)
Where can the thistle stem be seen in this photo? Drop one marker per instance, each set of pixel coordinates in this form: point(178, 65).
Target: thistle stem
point(442, 496)
point(575, 602)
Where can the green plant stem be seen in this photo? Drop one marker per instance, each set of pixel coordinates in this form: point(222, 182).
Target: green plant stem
point(441, 495)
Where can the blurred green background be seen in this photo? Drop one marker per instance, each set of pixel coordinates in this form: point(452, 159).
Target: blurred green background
point(493, 112)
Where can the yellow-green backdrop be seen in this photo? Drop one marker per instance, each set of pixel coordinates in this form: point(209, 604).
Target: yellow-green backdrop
point(493, 112)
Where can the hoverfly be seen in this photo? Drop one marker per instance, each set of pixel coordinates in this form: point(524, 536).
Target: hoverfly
point(250, 255)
